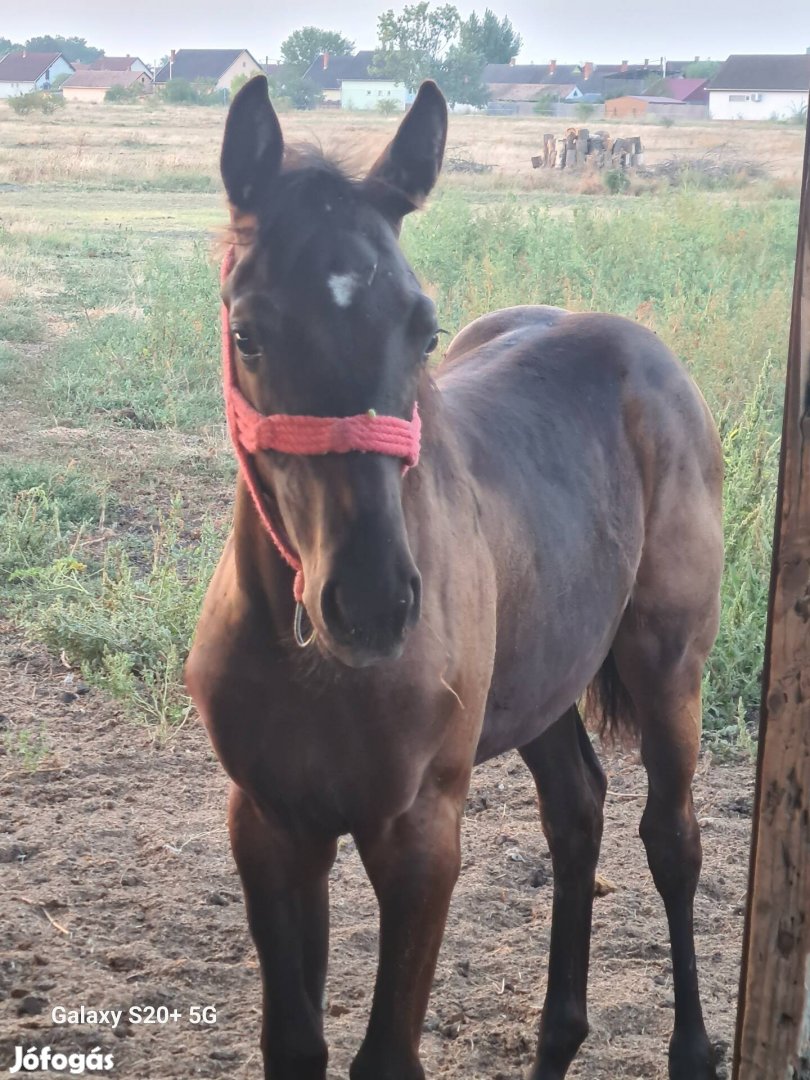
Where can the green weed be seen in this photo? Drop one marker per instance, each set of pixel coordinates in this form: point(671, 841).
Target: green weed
point(155, 366)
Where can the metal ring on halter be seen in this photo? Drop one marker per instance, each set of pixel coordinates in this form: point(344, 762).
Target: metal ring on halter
point(298, 620)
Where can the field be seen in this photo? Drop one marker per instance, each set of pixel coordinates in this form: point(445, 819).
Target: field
point(115, 480)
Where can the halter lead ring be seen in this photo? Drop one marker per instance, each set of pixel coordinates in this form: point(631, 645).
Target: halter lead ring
point(252, 431)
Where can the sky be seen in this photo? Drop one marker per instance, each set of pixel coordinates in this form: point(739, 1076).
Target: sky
point(573, 31)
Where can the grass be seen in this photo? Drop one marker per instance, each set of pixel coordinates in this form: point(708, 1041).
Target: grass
point(109, 324)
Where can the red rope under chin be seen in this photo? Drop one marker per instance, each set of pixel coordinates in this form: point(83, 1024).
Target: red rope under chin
point(252, 431)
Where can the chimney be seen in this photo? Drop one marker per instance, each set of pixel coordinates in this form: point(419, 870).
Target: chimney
point(646, 63)
point(172, 56)
point(587, 70)
point(697, 59)
point(512, 61)
point(325, 60)
point(624, 67)
point(552, 67)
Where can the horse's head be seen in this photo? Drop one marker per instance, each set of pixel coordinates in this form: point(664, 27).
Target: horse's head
point(328, 320)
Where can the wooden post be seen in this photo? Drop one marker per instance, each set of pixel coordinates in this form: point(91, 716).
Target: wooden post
point(773, 1028)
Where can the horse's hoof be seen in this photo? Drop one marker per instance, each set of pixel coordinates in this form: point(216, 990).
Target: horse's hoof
point(692, 1059)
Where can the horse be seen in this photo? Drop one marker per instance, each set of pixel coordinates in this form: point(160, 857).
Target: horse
point(428, 567)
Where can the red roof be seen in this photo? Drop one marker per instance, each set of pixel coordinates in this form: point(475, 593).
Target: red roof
point(682, 89)
point(23, 66)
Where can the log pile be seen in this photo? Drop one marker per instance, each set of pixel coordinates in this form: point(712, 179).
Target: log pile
point(578, 148)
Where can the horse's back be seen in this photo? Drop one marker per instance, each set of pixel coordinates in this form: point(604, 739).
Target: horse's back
point(599, 473)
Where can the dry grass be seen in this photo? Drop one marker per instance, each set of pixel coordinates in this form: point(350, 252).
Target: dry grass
point(134, 144)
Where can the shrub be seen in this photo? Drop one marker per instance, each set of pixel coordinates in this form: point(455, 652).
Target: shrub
point(388, 106)
point(617, 181)
point(238, 83)
point(36, 101)
point(585, 110)
point(544, 106)
point(123, 93)
point(180, 92)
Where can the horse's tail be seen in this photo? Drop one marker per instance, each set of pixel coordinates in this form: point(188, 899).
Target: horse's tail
point(608, 705)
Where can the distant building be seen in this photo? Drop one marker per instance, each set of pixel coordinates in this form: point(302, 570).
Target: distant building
point(636, 106)
point(22, 72)
point(347, 81)
point(92, 86)
point(689, 91)
point(114, 63)
point(220, 66)
point(760, 87)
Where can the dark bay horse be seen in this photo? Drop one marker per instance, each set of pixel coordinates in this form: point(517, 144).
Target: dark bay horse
point(561, 530)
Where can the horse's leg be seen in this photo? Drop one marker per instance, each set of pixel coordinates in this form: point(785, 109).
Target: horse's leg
point(413, 863)
point(285, 880)
point(660, 662)
point(571, 788)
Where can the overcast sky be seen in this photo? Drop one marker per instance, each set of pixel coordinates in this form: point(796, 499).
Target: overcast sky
point(566, 30)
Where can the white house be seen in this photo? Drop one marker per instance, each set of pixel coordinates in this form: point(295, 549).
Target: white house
point(760, 87)
point(368, 93)
point(22, 72)
point(346, 80)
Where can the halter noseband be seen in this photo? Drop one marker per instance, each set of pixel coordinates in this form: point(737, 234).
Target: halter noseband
point(252, 431)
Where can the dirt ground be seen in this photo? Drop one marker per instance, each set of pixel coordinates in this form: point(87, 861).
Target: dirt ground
point(119, 890)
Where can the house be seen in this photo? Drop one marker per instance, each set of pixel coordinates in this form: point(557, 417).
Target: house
point(636, 106)
point(92, 86)
point(220, 66)
point(517, 89)
point(22, 72)
point(689, 91)
point(760, 87)
point(115, 63)
point(349, 82)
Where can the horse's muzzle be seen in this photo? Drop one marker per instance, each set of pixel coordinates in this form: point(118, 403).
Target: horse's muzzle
point(367, 622)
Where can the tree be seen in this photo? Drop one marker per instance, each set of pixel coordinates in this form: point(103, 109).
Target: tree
point(304, 45)
point(702, 69)
point(72, 48)
point(289, 83)
point(495, 39)
point(414, 44)
point(7, 46)
point(460, 76)
point(429, 43)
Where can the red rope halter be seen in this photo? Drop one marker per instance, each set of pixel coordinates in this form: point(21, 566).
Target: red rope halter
point(252, 431)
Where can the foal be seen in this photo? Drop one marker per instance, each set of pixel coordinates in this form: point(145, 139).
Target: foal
point(561, 529)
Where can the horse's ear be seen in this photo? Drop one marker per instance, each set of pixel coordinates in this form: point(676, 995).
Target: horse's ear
point(252, 147)
point(404, 174)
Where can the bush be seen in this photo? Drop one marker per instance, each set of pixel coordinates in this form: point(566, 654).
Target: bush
point(238, 83)
point(585, 110)
point(36, 101)
point(387, 106)
point(544, 106)
point(180, 92)
point(122, 93)
point(617, 181)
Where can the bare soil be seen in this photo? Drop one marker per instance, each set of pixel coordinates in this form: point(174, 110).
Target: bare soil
point(118, 889)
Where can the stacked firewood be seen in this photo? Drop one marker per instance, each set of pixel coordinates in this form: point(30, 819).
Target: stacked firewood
point(578, 148)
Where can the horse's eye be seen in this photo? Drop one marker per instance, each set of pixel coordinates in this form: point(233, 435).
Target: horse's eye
point(246, 344)
point(432, 344)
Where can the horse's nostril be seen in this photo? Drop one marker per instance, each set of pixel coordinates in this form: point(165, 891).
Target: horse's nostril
point(330, 607)
point(416, 592)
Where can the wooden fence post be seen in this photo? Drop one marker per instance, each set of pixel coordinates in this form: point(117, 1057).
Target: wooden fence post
point(773, 1026)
